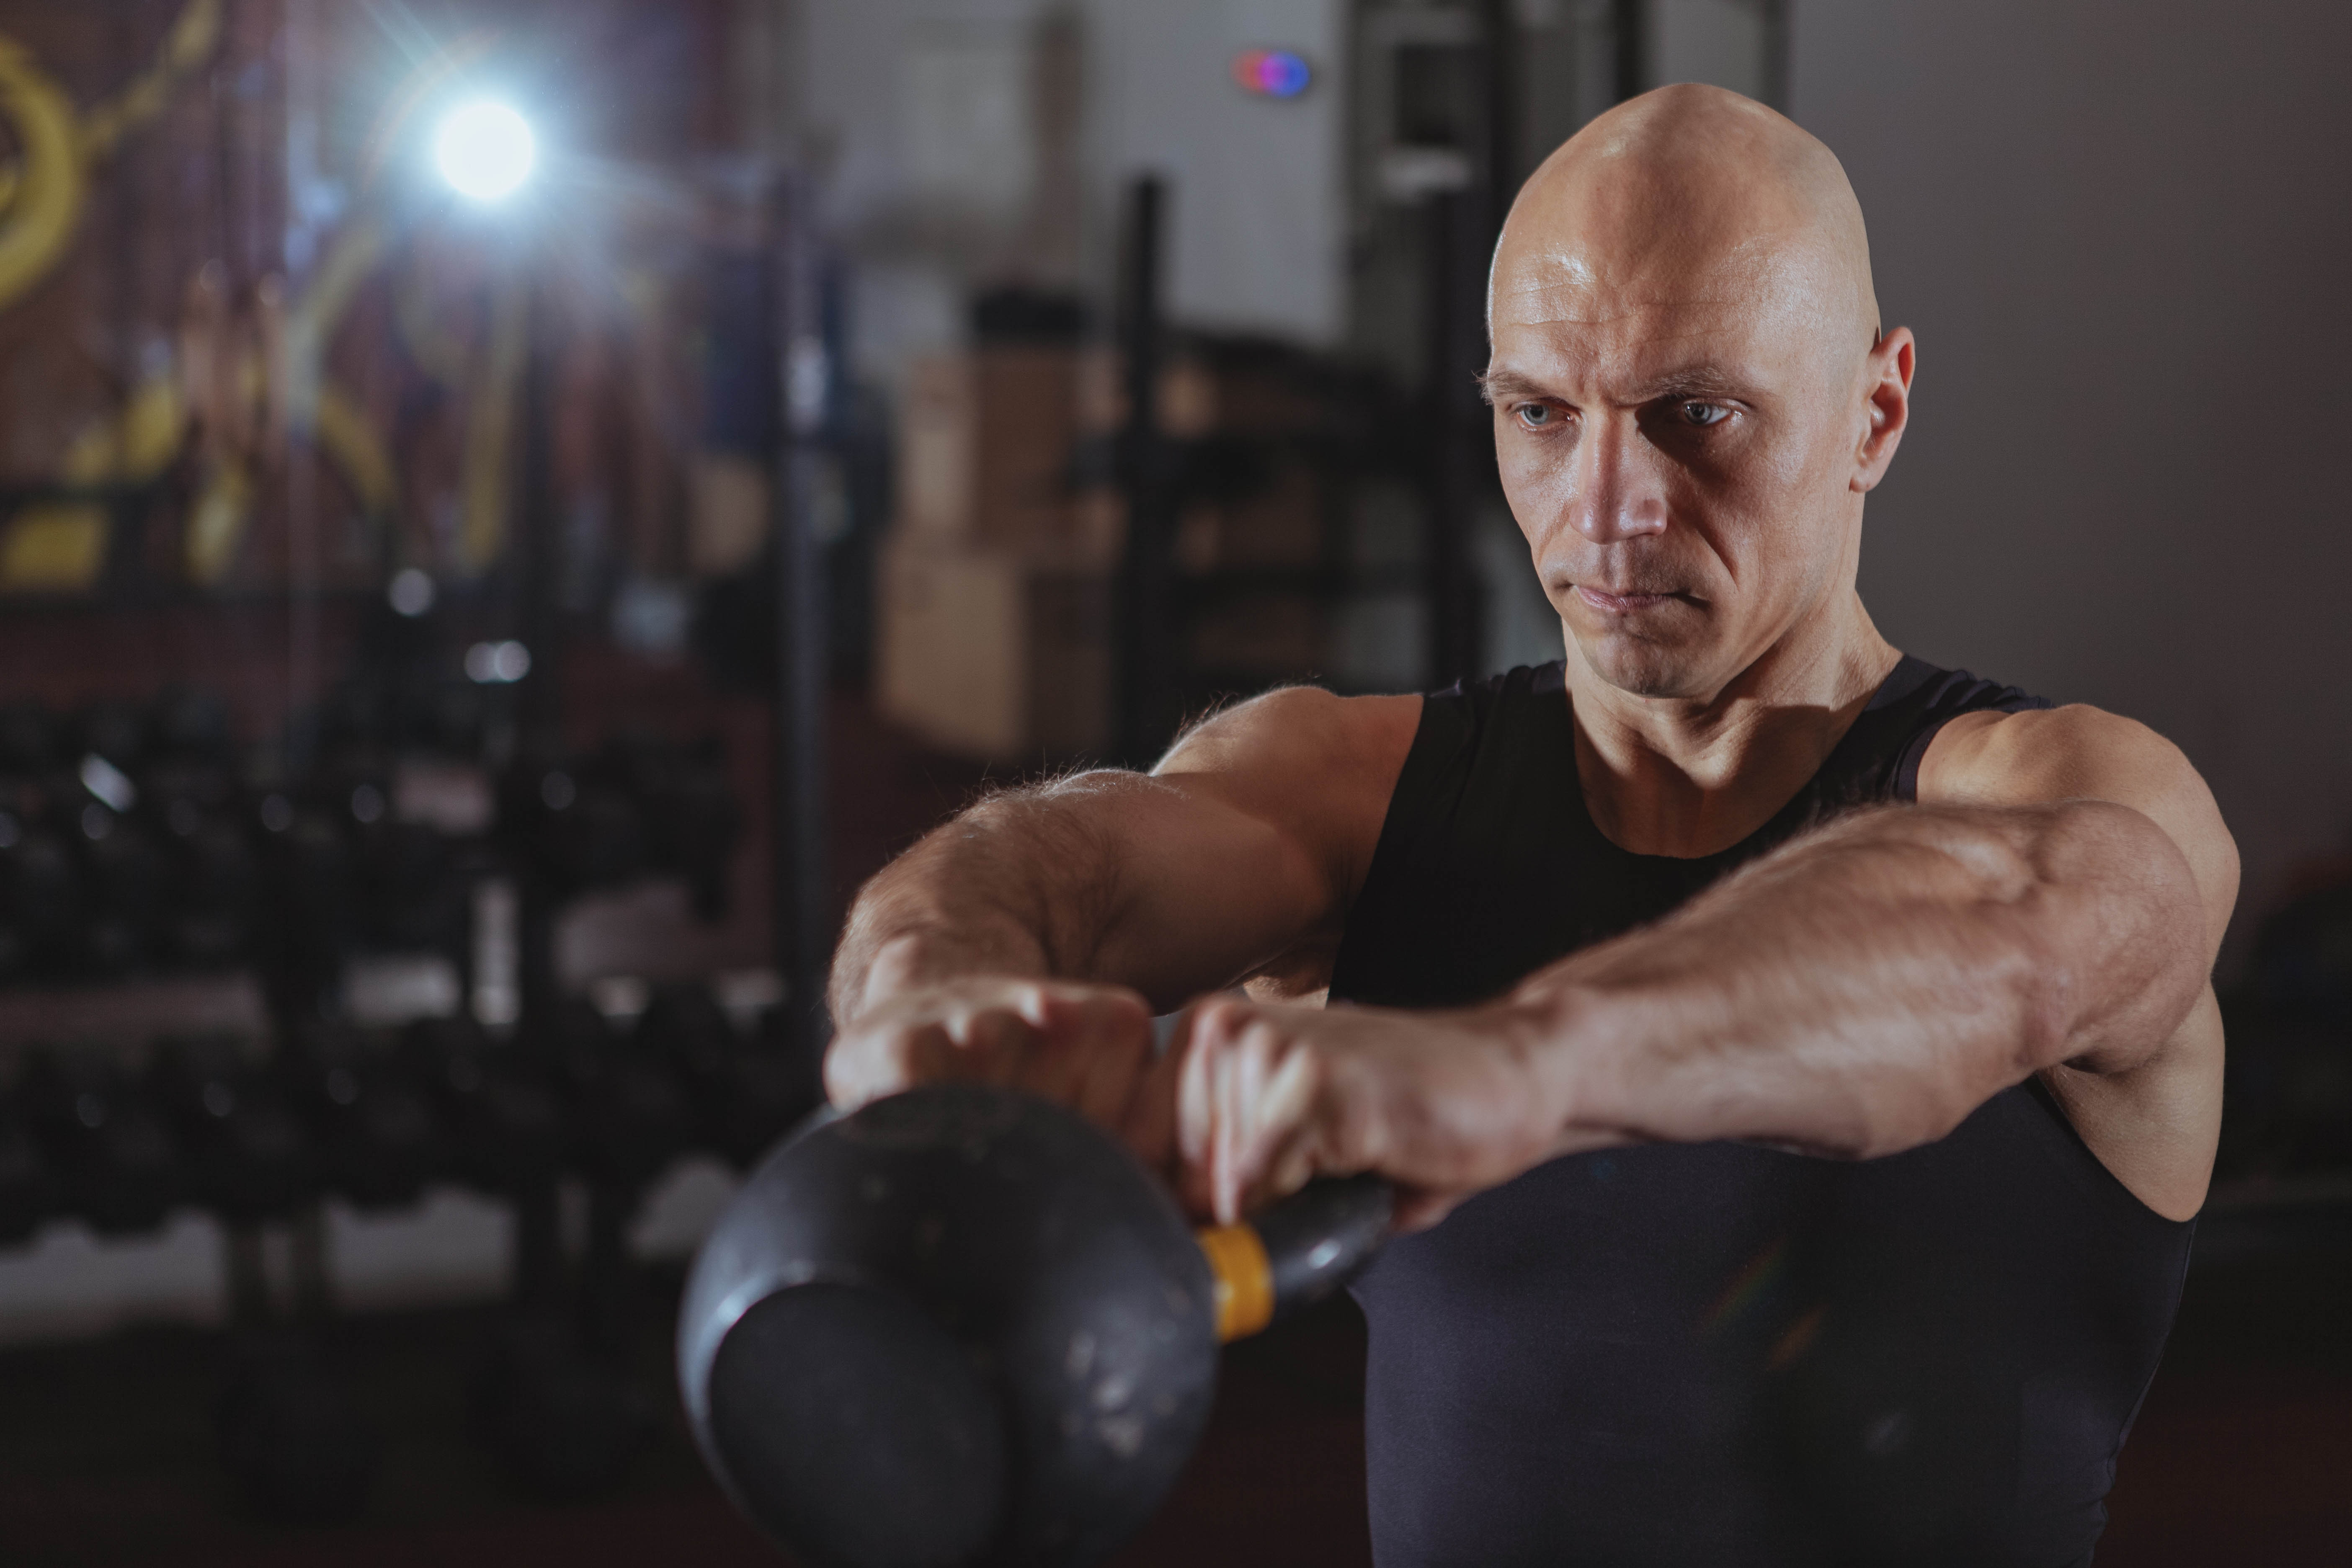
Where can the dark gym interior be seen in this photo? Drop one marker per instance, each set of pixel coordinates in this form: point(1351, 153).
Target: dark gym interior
point(511, 512)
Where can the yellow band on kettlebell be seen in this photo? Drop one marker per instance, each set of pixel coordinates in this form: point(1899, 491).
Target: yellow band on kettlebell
point(1245, 1280)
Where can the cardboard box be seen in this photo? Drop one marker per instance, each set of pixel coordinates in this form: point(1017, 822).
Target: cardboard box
point(1261, 638)
point(1279, 525)
point(984, 446)
point(1278, 520)
point(727, 517)
point(1198, 397)
point(998, 655)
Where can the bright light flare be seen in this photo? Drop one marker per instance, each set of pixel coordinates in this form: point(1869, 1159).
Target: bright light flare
point(485, 150)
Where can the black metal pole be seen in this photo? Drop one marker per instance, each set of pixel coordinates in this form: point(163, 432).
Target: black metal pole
point(1777, 47)
point(1146, 688)
point(1463, 227)
point(803, 902)
point(1465, 449)
point(1499, 129)
point(1629, 28)
point(540, 719)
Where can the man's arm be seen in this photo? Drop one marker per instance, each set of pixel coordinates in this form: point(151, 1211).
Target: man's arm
point(1029, 940)
point(1858, 992)
point(2154, 1122)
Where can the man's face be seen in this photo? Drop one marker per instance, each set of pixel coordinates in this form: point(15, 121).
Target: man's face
point(1677, 438)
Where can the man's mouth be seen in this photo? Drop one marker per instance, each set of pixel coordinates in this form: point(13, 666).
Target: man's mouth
point(1620, 604)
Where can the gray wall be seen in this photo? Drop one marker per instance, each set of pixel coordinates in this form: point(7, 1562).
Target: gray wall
point(919, 112)
point(2121, 229)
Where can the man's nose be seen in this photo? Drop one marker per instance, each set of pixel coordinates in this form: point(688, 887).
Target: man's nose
point(1617, 490)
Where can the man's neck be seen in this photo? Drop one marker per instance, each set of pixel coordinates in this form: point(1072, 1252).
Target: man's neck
point(1687, 776)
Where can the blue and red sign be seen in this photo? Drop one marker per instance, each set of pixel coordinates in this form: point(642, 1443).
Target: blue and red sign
point(1273, 73)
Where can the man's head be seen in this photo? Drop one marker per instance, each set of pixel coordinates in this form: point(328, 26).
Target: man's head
point(1691, 390)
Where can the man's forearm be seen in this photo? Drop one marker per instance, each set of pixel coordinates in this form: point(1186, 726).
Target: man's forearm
point(1162, 885)
point(1010, 886)
point(1862, 991)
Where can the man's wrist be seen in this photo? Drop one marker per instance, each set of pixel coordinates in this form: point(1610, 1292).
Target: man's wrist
point(1562, 1034)
point(919, 957)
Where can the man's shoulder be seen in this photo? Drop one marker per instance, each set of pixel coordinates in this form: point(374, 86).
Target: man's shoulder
point(2045, 753)
point(1316, 766)
point(1300, 731)
point(2079, 752)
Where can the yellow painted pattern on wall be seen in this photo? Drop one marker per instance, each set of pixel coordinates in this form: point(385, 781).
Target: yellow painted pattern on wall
point(60, 546)
point(41, 195)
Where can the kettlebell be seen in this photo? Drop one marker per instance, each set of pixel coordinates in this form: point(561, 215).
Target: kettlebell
point(963, 1326)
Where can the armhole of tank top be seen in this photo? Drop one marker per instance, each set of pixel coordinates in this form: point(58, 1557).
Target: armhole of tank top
point(1445, 725)
point(1915, 751)
point(1436, 740)
point(2095, 1172)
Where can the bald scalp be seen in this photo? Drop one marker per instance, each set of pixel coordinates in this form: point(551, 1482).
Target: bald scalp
point(1687, 189)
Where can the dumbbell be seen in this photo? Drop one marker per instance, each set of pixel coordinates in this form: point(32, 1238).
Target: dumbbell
point(28, 1192)
point(414, 897)
point(47, 891)
point(115, 731)
point(354, 713)
point(17, 803)
point(124, 878)
point(29, 740)
point(381, 1140)
point(107, 1141)
point(629, 1113)
point(574, 828)
point(509, 1134)
point(630, 1118)
point(216, 892)
point(747, 1092)
point(191, 801)
point(191, 724)
point(307, 872)
point(564, 1424)
point(451, 718)
point(40, 886)
point(509, 1124)
point(687, 806)
point(964, 1326)
point(249, 1154)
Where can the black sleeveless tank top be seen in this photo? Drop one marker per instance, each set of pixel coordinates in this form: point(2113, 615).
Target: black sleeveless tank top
point(1717, 1356)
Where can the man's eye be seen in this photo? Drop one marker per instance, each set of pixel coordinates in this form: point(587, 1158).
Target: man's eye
point(1704, 413)
point(1538, 416)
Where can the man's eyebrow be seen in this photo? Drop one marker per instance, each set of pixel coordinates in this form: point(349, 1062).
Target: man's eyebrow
point(1692, 380)
point(1495, 386)
point(1705, 380)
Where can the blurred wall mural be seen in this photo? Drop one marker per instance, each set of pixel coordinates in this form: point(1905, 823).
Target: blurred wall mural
point(249, 343)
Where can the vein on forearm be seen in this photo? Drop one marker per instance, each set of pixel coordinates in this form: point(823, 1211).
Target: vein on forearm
point(1862, 990)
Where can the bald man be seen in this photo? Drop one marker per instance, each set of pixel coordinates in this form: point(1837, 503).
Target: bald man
point(1799, 1061)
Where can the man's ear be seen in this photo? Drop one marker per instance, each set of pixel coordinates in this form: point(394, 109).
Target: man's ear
point(1886, 391)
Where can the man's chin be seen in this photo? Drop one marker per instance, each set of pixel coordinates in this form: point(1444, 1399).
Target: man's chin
point(1644, 669)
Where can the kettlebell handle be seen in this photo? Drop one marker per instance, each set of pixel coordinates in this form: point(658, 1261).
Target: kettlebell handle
point(1284, 1260)
point(1298, 1252)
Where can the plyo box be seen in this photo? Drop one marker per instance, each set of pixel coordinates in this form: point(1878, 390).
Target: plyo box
point(992, 654)
point(985, 439)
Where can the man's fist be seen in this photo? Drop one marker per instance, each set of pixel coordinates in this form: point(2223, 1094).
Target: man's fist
point(1086, 1047)
point(1442, 1104)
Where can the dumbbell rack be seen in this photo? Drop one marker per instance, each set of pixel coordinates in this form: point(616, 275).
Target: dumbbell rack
point(174, 1107)
point(374, 1122)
